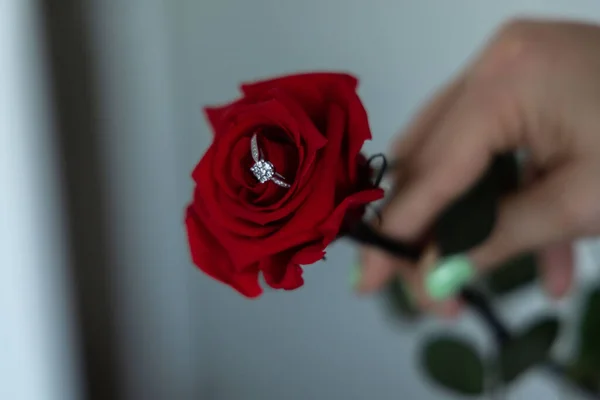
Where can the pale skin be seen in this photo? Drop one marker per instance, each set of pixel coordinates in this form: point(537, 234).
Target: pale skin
point(534, 87)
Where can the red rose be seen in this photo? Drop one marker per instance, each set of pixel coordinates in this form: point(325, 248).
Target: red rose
point(311, 127)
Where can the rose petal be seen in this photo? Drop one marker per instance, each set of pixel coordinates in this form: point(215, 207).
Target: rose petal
point(315, 209)
point(211, 196)
point(310, 90)
point(223, 222)
point(300, 82)
point(209, 199)
point(358, 131)
point(214, 117)
point(250, 119)
point(319, 205)
point(309, 136)
point(219, 117)
point(210, 257)
point(330, 228)
point(279, 274)
point(266, 210)
point(309, 254)
point(314, 91)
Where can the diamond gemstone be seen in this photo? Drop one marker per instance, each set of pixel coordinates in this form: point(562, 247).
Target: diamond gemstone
point(263, 170)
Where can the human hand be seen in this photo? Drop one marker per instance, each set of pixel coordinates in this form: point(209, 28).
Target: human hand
point(535, 87)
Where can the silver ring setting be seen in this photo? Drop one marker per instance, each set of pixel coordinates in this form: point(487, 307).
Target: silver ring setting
point(262, 169)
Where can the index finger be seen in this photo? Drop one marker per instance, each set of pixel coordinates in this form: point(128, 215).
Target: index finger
point(451, 160)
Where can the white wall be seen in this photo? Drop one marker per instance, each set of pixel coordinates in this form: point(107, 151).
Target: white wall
point(38, 360)
point(322, 342)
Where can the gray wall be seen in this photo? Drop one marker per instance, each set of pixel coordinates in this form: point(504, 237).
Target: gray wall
point(152, 273)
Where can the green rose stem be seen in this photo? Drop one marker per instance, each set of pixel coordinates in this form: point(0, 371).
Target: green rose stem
point(364, 234)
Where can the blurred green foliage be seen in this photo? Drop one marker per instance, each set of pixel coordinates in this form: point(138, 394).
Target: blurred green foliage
point(454, 364)
point(514, 274)
point(528, 349)
point(585, 368)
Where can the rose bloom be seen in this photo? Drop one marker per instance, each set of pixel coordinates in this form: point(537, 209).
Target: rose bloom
point(311, 127)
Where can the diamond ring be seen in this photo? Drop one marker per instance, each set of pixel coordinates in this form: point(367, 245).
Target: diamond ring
point(262, 169)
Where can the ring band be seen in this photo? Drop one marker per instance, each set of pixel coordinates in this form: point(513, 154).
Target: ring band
point(262, 169)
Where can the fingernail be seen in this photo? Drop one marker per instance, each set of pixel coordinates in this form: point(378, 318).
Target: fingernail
point(355, 276)
point(448, 276)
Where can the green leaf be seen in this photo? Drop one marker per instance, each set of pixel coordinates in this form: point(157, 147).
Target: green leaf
point(454, 364)
point(400, 301)
point(589, 342)
point(585, 369)
point(584, 376)
point(528, 349)
point(513, 275)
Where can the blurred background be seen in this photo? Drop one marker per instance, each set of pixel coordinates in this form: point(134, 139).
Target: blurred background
point(100, 127)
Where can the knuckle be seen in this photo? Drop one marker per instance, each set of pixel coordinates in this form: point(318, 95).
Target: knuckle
point(499, 106)
point(575, 211)
point(517, 47)
point(489, 99)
